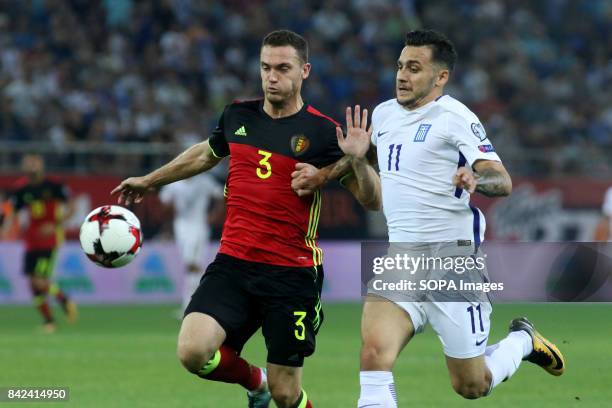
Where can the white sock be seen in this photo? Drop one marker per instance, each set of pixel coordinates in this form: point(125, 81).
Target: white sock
point(191, 284)
point(504, 358)
point(377, 389)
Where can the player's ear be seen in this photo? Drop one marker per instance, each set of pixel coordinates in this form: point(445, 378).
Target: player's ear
point(442, 77)
point(306, 70)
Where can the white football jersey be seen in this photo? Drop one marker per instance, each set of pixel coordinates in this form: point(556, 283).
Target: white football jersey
point(190, 198)
point(419, 151)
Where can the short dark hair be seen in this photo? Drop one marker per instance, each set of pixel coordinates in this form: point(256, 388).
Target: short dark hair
point(280, 38)
point(442, 50)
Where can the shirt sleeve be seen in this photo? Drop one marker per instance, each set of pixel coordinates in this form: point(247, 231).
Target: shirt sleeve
point(217, 141)
point(607, 205)
point(469, 136)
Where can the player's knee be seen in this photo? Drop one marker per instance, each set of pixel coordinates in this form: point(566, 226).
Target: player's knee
point(471, 389)
point(284, 394)
point(193, 356)
point(39, 284)
point(375, 357)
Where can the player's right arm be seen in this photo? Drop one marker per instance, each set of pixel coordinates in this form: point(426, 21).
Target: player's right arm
point(353, 170)
point(196, 159)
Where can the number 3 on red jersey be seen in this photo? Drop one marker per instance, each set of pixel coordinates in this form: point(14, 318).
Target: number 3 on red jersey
point(261, 173)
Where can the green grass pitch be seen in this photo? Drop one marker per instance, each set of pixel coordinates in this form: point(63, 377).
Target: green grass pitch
point(124, 356)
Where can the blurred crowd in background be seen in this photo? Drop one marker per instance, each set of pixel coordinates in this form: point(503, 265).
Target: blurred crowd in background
point(538, 73)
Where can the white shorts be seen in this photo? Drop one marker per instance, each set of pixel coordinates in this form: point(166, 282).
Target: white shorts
point(462, 327)
point(460, 319)
point(190, 242)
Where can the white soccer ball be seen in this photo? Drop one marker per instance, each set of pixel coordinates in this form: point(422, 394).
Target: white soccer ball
point(110, 236)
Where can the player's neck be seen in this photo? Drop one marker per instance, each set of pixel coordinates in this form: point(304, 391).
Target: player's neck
point(287, 108)
point(36, 178)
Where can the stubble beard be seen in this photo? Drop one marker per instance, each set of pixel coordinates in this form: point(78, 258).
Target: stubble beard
point(412, 102)
point(279, 100)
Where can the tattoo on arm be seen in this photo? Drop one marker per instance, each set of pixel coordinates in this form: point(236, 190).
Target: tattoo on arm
point(368, 191)
point(340, 168)
point(372, 157)
point(343, 166)
point(493, 183)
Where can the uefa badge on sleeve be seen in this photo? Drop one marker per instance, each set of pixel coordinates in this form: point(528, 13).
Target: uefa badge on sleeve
point(479, 131)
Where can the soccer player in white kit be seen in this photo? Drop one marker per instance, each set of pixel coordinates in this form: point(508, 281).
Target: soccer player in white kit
point(190, 199)
point(424, 140)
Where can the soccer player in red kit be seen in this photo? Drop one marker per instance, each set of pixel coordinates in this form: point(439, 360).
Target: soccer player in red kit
point(268, 273)
point(41, 203)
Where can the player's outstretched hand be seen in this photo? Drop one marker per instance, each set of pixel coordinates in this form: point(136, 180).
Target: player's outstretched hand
point(131, 190)
point(306, 179)
point(464, 178)
point(357, 140)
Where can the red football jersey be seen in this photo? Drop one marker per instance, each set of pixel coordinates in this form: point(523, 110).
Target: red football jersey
point(43, 203)
point(266, 220)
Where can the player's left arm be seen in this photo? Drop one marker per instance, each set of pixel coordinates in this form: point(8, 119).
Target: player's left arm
point(486, 173)
point(308, 180)
point(492, 178)
point(489, 178)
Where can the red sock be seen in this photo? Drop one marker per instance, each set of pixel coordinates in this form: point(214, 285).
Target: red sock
point(61, 298)
point(308, 404)
point(231, 368)
point(43, 307)
point(39, 296)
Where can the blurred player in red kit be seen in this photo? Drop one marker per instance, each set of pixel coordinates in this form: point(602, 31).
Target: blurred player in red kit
point(41, 205)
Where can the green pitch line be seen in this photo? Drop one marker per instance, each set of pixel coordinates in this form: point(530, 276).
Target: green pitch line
point(125, 357)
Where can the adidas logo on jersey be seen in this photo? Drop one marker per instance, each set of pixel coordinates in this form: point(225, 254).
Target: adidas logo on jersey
point(241, 131)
